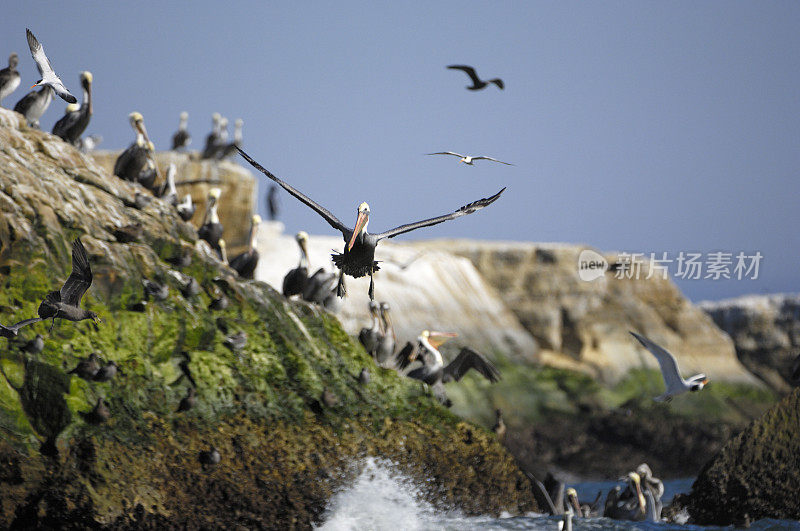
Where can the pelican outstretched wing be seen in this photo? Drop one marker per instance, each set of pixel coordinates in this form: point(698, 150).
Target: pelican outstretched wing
point(467, 70)
point(332, 220)
point(463, 211)
point(469, 359)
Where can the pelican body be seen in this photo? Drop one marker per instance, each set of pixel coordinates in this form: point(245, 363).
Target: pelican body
point(136, 163)
point(72, 125)
point(181, 139)
point(358, 258)
point(295, 281)
point(245, 263)
point(33, 105)
point(9, 77)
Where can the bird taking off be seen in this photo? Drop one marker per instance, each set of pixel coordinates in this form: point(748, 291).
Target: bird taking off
point(477, 83)
point(49, 76)
point(469, 159)
point(669, 370)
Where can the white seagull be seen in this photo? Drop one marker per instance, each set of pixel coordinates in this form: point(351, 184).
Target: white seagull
point(49, 76)
point(669, 370)
point(468, 159)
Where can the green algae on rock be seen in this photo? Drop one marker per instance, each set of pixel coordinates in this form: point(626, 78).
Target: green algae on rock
point(282, 455)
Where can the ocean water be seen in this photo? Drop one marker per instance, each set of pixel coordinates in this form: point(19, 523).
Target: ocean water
point(380, 499)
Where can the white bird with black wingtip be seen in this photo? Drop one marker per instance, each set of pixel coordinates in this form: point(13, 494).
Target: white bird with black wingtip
point(669, 370)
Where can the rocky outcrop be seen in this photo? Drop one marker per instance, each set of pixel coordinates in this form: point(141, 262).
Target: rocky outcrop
point(196, 177)
point(583, 325)
point(756, 474)
point(284, 451)
point(766, 333)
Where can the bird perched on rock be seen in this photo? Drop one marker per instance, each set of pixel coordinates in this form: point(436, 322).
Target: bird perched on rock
point(219, 303)
point(434, 372)
point(186, 208)
point(87, 368)
point(72, 125)
point(212, 140)
point(65, 303)
point(227, 150)
point(669, 371)
point(136, 163)
point(211, 229)
point(106, 373)
point(477, 83)
point(170, 193)
point(188, 401)
point(99, 414)
point(499, 427)
point(237, 341)
point(89, 143)
point(245, 263)
point(210, 456)
point(181, 139)
point(9, 77)
point(12, 330)
point(364, 376)
point(384, 350)
point(223, 251)
point(369, 336)
point(49, 77)
point(34, 104)
point(294, 283)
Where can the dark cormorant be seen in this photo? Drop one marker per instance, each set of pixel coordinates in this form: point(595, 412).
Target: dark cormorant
point(296, 280)
point(65, 303)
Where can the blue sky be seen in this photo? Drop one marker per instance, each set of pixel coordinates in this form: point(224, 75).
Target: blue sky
point(635, 126)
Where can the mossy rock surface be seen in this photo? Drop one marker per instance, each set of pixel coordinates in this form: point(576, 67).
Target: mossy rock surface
point(283, 453)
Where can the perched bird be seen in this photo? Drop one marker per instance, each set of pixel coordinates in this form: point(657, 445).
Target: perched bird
point(230, 149)
point(136, 163)
point(653, 486)
point(629, 504)
point(49, 77)
point(191, 288)
point(329, 398)
point(72, 125)
point(99, 414)
point(35, 345)
point(477, 83)
point(364, 376)
point(433, 371)
point(154, 290)
point(12, 330)
point(369, 336)
point(236, 341)
point(468, 159)
point(9, 77)
point(128, 233)
point(295, 281)
point(583, 509)
point(384, 350)
point(188, 401)
point(210, 456)
point(212, 140)
point(211, 229)
point(106, 372)
point(219, 303)
point(272, 202)
point(669, 370)
point(89, 143)
point(170, 193)
point(245, 263)
point(87, 368)
point(65, 303)
point(358, 258)
point(181, 139)
point(181, 258)
point(186, 208)
point(319, 286)
point(499, 427)
point(33, 105)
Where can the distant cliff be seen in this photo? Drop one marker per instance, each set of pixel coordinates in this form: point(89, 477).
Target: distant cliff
point(766, 332)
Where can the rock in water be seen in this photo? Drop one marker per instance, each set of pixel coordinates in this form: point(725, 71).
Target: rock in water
point(755, 475)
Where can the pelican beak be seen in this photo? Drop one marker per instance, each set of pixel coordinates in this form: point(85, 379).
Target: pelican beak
point(436, 339)
point(363, 217)
point(635, 478)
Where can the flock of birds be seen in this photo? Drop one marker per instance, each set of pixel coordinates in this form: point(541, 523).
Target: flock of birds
point(639, 500)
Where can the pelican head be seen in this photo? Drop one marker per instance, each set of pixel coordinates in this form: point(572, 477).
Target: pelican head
point(373, 308)
point(72, 107)
point(216, 118)
point(13, 60)
point(256, 220)
point(302, 239)
point(137, 122)
point(213, 195)
point(697, 382)
point(184, 116)
point(86, 79)
point(436, 339)
point(385, 307)
point(572, 497)
point(361, 224)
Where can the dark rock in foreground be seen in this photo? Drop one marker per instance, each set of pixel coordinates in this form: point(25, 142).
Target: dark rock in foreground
point(757, 474)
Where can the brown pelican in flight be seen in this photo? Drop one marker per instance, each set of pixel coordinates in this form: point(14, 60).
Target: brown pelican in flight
point(468, 159)
point(433, 371)
point(477, 83)
point(358, 258)
point(669, 370)
point(49, 77)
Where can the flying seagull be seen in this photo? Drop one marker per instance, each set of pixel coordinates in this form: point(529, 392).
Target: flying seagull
point(65, 303)
point(669, 370)
point(49, 76)
point(468, 159)
point(477, 83)
point(358, 258)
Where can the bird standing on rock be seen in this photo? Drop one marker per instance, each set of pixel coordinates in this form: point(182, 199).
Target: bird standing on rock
point(182, 138)
point(72, 125)
point(212, 139)
point(136, 164)
point(99, 414)
point(87, 368)
point(9, 77)
point(65, 303)
point(211, 229)
point(188, 401)
point(294, 283)
point(369, 336)
point(106, 373)
point(245, 263)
